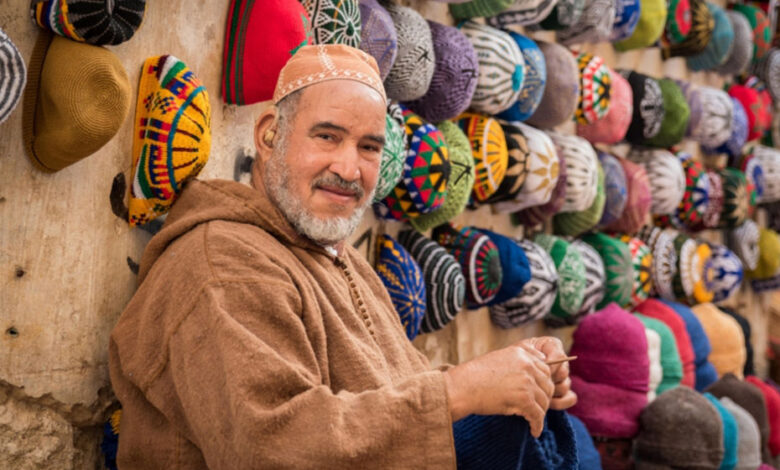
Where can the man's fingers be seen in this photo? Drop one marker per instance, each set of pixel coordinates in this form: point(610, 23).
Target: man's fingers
point(534, 414)
point(562, 388)
point(560, 372)
point(565, 402)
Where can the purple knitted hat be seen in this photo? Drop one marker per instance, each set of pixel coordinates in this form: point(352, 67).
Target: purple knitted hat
point(377, 35)
point(607, 411)
point(454, 75)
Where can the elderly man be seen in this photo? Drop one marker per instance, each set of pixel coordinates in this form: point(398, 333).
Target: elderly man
point(259, 339)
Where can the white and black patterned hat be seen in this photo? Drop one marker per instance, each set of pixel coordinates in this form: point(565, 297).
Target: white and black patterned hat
point(523, 12)
point(666, 176)
point(582, 170)
point(13, 76)
point(594, 286)
point(743, 241)
point(411, 73)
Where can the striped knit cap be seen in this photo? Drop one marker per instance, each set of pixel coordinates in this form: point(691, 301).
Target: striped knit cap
point(743, 241)
point(626, 19)
point(404, 281)
point(377, 35)
point(478, 8)
point(13, 76)
point(501, 67)
point(593, 26)
point(581, 171)
point(538, 295)
point(616, 192)
point(595, 86)
point(454, 75)
point(391, 166)
point(445, 285)
point(489, 149)
point(666, 177)
point(760, 25)
point(90, 21)
point(594, 286)
point(642, 261)
point(639, 200)
point(728, 272)
point(711, 114)
point(720, 44)
point(562, 90)
point(411, 73)
point(571, 275)
point(534, 80)
point(334, 21)
point(739, 58)
point(522, 12)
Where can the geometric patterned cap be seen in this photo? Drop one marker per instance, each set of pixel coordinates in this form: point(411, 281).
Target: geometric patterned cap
point(571, 275)
point(334, 21)
point(595, 85)
point(13, 76)
point(666, 176)
point(650, 27)
point(728, 272)
point(412, 71)
point(618, 267)
point(581, 170)
point(648, 109)
point(517, 165)
point(732, 147)
point(642, 261)
point(743, 241)
point(711, 114)
point(736, 198)
point(612, 128)
point(403, 280)
point(578, 222)
point(93, 22)
point(391, 166)
point(594, 286)
point(676, 116)
point(760, 25)
point(490, 152)
point(534, 80)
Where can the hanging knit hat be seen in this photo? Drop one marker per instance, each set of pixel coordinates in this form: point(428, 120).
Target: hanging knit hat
point(478, 8)
point(460, 183)
point(641, 260)
point(639, 200)
point(594, 25)
point(13, 76)
point(666, 177)
point(679, 23)
point(543, 171)
point(728, 272)
point(756, 108)
point(571, 275)
point(654, 308)
point(489, 150)
point(768, 70)
point(514, 267)
point(739, 132)
point(412, 71)
point(768, 255)
point(534, 80)
point(391, 166)
point(671, 365)
point(696, 196)
point(720, 44)
point(76, 98)
point(744, 324)
point(711, 217)
point(517, 164)
point(594, 286)
point(728, 344)
point(615, 190)
point(501, 67)
point(742, 50)
point(478, 258)
point(404, 281)
point(522, 12)
point(683, 281)
point(679, 415)
point(445, 285)
point(703, 274)
point(760, 25)
point(743, 241)
point(334, 21)
point(565, 14)
point(578, 222)
point(587, 454)
point(454, 75)
point(581, 171)
point(595, 86)
point(612, 127)
point(769, 160)
point(537, 215)
point(665, 263)
point(711, 114)
point(538, 294)
point(772, 398)
point(652, 18)
point(618, 268)
point(736, 198)
point(730, 437)
point(98, 23)
point(648, 109)
point(749, 437)
point(377, 35)
point(562, 89)
point(687, 31)
point(168, 91)
point(626, 19)
point(676, 116)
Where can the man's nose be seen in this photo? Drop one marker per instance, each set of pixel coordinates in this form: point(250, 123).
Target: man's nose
point(347, 165)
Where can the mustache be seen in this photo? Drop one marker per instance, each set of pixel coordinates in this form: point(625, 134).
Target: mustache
point(334, 180)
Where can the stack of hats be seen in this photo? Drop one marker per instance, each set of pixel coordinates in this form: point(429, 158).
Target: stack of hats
point(739, 132)
point(744, 324)
point(668, 355)
point(760, 26)
point(641, 261)
point(756, 103)
point(711, 114)
point(705, 371)
point(742, 48)
point(582, 171)
point(654, 308)
point(688, 29)
point(748, 436)
point(404, 281)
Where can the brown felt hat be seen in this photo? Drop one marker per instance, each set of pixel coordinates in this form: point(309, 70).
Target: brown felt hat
point(76, 99)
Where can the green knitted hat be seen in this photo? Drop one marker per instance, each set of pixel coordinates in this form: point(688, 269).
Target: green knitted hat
point(575, 223)
point(768, 255)
point(676, 115)
point(479, 8)
point(571, 275)
point(670, 356)
point(652, 19)
point(460, 183)
point(618, 268)
point(393, 156)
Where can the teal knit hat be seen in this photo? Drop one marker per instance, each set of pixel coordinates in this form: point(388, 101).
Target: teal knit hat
point(571, 275)
point(393, 156)
point(618, 268)
point(676, 116)
point(730, 434)
point(670, 356)
point(721, 43)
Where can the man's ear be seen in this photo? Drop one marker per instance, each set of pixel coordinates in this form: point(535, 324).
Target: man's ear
point(266, 128)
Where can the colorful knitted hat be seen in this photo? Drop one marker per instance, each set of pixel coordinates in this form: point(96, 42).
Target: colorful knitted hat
point(444, 282)
point(768, 70)
point(730, 438)
point(756, 107)
point(705, 372)
point(768, 255)
point(571, 275)
point(612, 127)
point(412, 71)
point(728, 344)
point(460, 183)
point(654, 308)
point(615, 190)
point(697, 188)
point(393, 156)
point(683, 281)
point(728, 272)
point(587, 454)
point(744, 324)
point(478, 8)
point(676, 116)
point(760, 25)
point(739, 132)
point(679, 22)
point(742, 50)
point(576, 223)
point(403, 280)
point(172, 130)
point(334, 21)
point(595, 86)
point(478, 258)
point(594, 26)
point(562, 90)
point(565, 14)
point(514, 267)
point(736, 198)
point(594, 286)
point(76, 98)
point(664, 266)
point(699, 24)
point(668, 356)
point(719, 46)
point(618, 268)
point(454, 76)
point(524, 12)
point(639, 200)
point(711, 114)
point(652, 18)
point(501, 67)
point(772, 398)
point(98, 23)
point(534, 80)
point(259, 40)
point(517, 164)
point(12, 78)
point(489, 150)
point(679, 415)
point(749, 437)
point(543, 171)
point(648, 109)
point(626, 19)
point(538, 294)
point(581, 170)
point(666, 177)
point(743, 240)
point(641, 260)
point(769, 160)
point(536, 215)
point(377, 35)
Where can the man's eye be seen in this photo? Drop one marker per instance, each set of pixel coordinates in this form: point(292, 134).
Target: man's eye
point(328, 137)
point(372, 148)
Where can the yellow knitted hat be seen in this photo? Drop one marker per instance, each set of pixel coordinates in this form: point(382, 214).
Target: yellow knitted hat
point(728, 343)
point(768, 255)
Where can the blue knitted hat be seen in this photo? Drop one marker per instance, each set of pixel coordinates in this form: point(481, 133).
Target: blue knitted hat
point(730, 437)
point(533, 82)
point(588, 456)
point(614, 187)
point(514, 266)
point(490, 442)
point(556, 448)
point(403, 280)
point(705, 371)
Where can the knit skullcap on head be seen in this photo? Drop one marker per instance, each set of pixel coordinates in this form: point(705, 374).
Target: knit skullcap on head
point(728, 344)
point(654, 308)
point(737, 204)
point(460, 183)
point(639, 200)
point(334, 22)
point(571, 275)
point(522, 12)
point(618, 268)
point(648, 107)
point(98, 23)
point(743, 240)
point(626, 19)
point(760, 25)
point(612, 127)
point(719, 47)
point(666, 177)
point(595, 86)
point(514, 267)
point(615, 190)
point(391, 166)
point(377, 35)
point(501, 67)
point(412, 71)
point(594, 285)
point(669, 357)
point(711, 114)
point(728, 272)
point(404, 281)
point(538, 294)
point(478, 258)
point(742, 50)
point(594, 25)
point(730, 437)
point(676, 116)
point(13, 78)
point(739, 132)
point(578, 222)
point(454, 76)
point(478, 8)
point(678, 22)
point(581, 171)
point(768, 255)
point(444, 282)
point(749, 437)
point(536, 215)
point(679, 415)
point(652, 18)
point(562, 90)
point(517, 164)
point(700, 26)
point(768, 70)
point(489, 150)
point(756, 108)
point(534, 80)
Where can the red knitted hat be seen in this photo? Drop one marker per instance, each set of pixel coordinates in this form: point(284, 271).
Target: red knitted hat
point(654, 308)
point(772, 398)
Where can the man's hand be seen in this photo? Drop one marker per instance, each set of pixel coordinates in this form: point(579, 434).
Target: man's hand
point(510, 381)
point(552, 348)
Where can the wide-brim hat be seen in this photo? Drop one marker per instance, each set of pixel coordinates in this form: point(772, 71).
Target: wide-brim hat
point(13, 78)
point(94, 22)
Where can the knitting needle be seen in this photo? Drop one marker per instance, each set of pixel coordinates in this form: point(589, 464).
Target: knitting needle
point(559, 361)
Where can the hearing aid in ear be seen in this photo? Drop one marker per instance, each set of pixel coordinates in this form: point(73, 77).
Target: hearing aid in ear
point(268, 138)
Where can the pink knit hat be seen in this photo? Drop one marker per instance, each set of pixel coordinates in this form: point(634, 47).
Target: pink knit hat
point(607, 411)
point(639, 200)
point(613, 127)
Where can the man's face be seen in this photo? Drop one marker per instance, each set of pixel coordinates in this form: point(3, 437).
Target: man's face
point(322, 174)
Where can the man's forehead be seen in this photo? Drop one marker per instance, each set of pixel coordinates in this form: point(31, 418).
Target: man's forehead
point(343, 104)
